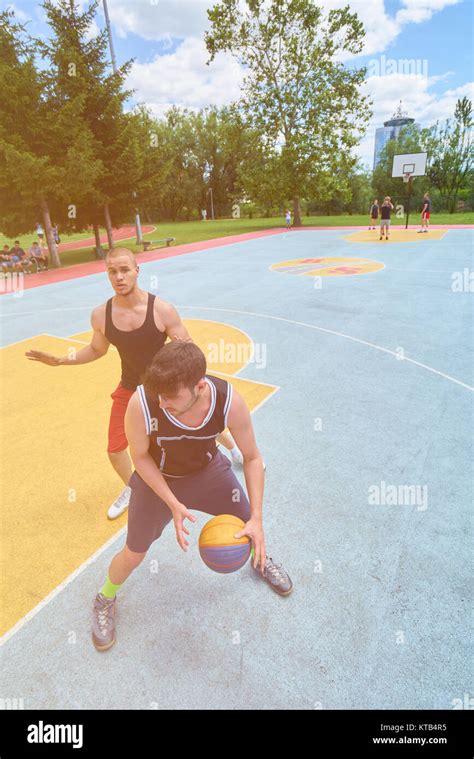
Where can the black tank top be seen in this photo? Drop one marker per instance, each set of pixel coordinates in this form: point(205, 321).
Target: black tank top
point(179, 450)
point(137, 348)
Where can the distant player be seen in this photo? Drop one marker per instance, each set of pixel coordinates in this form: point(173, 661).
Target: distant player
point(425, 213)
point(288, 218)
point(385, 212)
point(374, 214)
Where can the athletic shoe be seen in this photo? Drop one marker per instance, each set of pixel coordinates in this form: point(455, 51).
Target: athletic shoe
point(103, 623)
point(276, 576)
point(381, 238)
point(120, 504)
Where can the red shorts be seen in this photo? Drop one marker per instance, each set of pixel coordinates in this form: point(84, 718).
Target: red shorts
point(425, 215)
point(117, 438)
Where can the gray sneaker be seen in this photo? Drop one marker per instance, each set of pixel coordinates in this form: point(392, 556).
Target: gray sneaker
point(276, 576)
point(103, 624)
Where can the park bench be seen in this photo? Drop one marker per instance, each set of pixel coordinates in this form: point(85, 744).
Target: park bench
point(151, 243)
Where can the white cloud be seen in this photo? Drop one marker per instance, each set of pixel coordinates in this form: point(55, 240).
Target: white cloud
point(19, 14)
point(416, 11)
point(182, 78)
point(159, 19)
point(417, 100)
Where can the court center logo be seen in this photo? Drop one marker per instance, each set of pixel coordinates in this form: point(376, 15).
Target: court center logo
point(328, 267)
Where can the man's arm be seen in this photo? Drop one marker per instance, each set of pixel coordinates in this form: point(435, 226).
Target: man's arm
point(98, 347)
point(175, 328)
point(240, 426)
point(139, 442)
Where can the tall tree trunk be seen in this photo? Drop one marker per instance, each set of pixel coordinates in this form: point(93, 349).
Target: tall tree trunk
point(108, 226)
point(98, 246)
point(48, 228)
point(296, 212)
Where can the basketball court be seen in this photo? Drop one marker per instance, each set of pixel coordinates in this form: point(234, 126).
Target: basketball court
point(354, 356)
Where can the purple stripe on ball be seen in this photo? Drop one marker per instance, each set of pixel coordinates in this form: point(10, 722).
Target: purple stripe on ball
point(225, 559)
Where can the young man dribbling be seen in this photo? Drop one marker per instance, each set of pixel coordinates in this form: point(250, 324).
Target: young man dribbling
point(172, 422)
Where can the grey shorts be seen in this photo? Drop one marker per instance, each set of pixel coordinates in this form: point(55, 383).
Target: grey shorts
point(213, 490)
point(384, 222)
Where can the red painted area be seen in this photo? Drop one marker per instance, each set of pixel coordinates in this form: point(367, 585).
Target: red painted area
point(124, 233)
point(95, 267)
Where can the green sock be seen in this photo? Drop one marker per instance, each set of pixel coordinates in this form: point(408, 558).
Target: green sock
point(109, 589)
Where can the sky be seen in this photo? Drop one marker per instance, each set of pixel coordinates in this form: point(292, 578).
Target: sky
point(416, 51)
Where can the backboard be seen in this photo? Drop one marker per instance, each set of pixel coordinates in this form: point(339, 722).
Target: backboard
point(409, 163)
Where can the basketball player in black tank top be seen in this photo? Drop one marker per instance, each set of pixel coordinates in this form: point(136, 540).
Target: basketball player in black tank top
point(172, 422)
point(137, 324)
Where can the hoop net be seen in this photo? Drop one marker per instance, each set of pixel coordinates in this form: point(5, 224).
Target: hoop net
point(406, 177)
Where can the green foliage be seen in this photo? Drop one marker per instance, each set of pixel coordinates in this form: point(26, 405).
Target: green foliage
point(302, 105)
point(451, 154)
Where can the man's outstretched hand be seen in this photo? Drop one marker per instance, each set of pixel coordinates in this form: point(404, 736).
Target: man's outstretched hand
point(45, 358)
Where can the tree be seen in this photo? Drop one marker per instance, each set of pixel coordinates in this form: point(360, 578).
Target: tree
point(44, 150)
point(301, 101)
point(451, 154)
point(78, 70)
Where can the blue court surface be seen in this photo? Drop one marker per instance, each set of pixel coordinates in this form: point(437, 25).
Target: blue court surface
point(368, 494)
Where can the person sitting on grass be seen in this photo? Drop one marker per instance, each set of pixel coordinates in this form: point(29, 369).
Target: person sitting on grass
point(15, 257)
point(37, 256)
point(5, 254)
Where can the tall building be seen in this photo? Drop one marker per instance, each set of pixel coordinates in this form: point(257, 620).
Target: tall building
point(390, 131)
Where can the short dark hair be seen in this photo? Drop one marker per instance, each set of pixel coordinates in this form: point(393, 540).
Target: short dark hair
point(176, 364)
point(17, 242)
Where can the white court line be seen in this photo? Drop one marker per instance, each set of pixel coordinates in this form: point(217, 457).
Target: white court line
point(70, 578)
point(231, 326)
point(21, 622)
point(437, 271)
point(339, 334)
point(48, 310)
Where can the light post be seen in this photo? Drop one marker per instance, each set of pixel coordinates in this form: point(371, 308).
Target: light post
point(212, 203)
point(138, 226)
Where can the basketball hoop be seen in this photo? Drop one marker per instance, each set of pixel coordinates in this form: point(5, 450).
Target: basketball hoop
point(407, 177)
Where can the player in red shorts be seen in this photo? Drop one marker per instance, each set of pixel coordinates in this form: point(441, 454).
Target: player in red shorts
point(425, 213)
point(138, 324)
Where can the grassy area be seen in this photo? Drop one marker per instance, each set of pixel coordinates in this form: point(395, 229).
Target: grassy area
point(195, 231)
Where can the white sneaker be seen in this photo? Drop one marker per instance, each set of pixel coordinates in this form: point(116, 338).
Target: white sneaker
point(120, 504)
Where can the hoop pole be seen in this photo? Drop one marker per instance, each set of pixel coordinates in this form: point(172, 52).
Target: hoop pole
point(409, 200)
